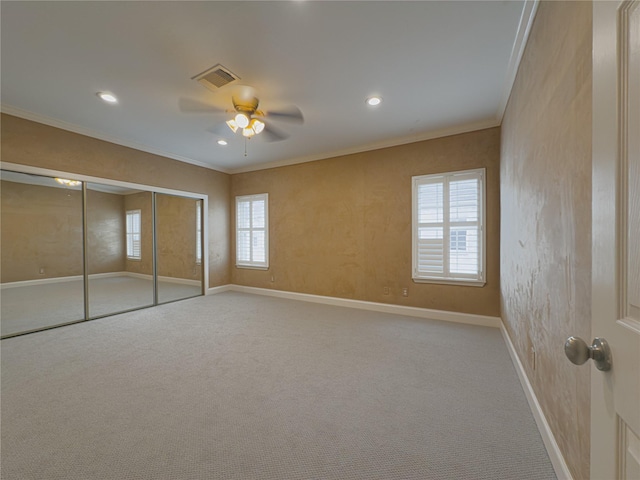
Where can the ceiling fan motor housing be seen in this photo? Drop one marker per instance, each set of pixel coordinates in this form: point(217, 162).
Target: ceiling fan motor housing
point(247, 106)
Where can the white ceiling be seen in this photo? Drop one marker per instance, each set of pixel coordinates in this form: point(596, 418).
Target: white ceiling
point(441, 68)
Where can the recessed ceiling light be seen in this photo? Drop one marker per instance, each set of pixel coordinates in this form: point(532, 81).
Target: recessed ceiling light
point(222, 142)
point(373, 101)
point(107, 97)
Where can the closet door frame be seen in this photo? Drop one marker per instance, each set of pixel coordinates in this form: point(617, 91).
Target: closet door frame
point(28, 169)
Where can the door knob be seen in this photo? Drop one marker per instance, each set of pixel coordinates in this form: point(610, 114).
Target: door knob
point(578, 352)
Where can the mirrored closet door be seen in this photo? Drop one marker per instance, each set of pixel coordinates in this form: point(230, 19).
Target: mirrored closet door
point(119, 249)
point(42, 252)
point(74, 251)
point(178, 247)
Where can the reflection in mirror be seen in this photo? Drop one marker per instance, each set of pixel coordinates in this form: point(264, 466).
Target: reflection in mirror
point(119, 249)
point(179, 247)
point(42, 252)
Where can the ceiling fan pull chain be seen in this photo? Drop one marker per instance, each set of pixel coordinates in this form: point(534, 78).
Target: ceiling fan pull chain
point(245, 146)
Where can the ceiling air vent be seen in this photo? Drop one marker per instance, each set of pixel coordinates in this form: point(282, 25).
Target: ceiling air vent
point(216, 77)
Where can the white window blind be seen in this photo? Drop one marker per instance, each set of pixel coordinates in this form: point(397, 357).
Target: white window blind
point(252, 231)
point(134, 234)
point(198, 232)
point(448, 227)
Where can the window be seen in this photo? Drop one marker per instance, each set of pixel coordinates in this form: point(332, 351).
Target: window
point(252, 231)
point(198, 232)
point(134, 229)
point(459, 240)
point(448, 211)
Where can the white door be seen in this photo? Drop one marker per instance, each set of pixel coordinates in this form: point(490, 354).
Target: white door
point(615, 394)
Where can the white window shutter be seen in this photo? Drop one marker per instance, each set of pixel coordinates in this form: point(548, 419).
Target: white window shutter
point(448, 235)
point(252, 245)
point(134, 234)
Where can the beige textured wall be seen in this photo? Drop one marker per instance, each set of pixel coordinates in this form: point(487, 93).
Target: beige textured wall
point(105, 232)
point(176, 227)
point(142, 201)
point(546, 218)
point(41, 228)
point(39, 145)
point(342, 227)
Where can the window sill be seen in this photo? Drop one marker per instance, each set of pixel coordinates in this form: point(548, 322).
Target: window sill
point(253, 267)
point(444, 281)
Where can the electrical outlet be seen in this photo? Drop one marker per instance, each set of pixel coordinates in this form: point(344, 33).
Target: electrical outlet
point(385, 291)
point(41, 270)
point(273, 278)
point(405, 292)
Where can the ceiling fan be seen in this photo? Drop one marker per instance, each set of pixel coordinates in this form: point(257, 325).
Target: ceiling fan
point(246, 117)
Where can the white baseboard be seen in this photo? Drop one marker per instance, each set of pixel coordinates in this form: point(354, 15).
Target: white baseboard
point(181, 281)
point(220, 289)
point(44, 281)
point(480, 320)
point(40, 281)
point(146, 276)
point(71, 278)
point(555, 455)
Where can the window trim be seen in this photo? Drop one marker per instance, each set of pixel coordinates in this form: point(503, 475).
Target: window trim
point(252, 198)
point(476, 281)
point(131, 234)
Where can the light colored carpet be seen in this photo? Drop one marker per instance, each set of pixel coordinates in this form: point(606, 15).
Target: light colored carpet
point(236, 386)
point(37, 306)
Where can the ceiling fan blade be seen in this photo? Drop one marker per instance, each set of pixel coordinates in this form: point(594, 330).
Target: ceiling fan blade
point(289, 114)
point(271, 134)
point(221, 129)
point(189, 105)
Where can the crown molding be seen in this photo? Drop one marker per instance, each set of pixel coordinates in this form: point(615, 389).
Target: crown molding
point(430, 135)
point(87, 132)
point(522, 35)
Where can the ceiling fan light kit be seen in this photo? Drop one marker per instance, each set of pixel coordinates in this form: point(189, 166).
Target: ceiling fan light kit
point(232, 125)
point(242, 120)
point(248, 119)
point(256, 126)
point(249, 127)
